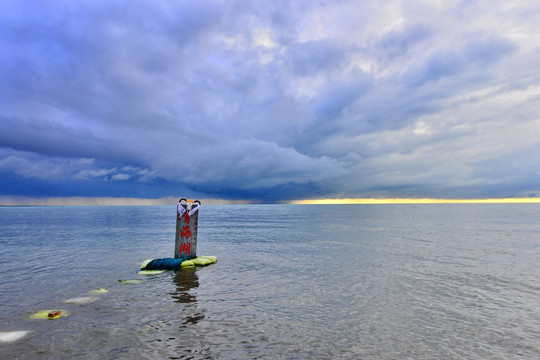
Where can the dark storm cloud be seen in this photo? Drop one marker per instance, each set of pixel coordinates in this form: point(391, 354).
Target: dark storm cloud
point(269, 100)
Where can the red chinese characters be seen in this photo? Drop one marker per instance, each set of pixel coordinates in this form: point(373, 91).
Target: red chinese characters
point(185, 248)
point(185, 232)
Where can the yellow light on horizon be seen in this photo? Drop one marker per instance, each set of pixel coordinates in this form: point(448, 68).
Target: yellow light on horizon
point(414, 201)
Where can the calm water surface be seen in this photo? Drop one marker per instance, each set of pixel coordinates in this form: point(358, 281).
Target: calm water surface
point(291, 282)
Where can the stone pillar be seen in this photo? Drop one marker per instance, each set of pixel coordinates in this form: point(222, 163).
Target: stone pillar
point(187, 218)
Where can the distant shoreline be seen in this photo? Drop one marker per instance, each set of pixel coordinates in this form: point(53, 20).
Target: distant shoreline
point(13, 201)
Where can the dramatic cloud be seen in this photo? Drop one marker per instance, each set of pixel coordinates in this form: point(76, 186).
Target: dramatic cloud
point(269, 100)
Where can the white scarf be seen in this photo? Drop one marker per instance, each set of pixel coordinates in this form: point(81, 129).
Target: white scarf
point(182, 210)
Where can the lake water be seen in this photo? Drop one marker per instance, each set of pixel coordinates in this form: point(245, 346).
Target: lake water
point(291, 282)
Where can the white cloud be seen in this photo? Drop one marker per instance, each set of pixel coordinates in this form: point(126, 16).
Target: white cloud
point(89, 174)
point(121, 177)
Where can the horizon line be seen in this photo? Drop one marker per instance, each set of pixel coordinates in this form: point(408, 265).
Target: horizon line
point(373, 201)
point(171, 200)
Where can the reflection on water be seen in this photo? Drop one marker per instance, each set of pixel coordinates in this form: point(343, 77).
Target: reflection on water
point(185, 281)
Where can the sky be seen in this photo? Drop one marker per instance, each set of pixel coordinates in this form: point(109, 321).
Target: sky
point(269, 101)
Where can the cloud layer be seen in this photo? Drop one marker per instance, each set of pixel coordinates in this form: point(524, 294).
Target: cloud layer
point(269, 100)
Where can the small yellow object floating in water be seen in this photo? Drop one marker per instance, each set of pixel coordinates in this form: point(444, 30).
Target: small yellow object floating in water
point(204, 260)
point(131, 281)
point(211, 258)
point(145, 262)
point(49, 314)
point(187, 264)
point(151, 272)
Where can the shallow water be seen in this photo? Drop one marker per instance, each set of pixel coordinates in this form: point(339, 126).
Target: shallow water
point(291, 282)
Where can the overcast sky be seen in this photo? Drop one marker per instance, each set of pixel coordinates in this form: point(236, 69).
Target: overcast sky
point(270, 100)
